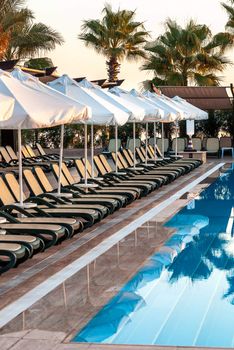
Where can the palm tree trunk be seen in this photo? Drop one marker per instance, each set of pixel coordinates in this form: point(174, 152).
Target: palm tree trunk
point(113, 69)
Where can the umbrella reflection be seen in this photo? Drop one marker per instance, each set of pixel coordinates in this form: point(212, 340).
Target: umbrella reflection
point(111, 318)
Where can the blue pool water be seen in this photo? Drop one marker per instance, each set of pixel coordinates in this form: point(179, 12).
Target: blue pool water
point(184, 294)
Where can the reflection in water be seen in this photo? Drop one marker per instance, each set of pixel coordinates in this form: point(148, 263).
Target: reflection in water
point(184, 294)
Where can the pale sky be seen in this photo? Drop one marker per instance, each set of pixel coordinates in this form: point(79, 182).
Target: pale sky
point(75, 59)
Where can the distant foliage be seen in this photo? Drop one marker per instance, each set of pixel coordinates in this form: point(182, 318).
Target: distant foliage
point(189, 55)
point(117, 36)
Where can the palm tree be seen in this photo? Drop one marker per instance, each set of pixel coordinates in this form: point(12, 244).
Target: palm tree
point(184, 56)
point(116, 36)
point(25, 38)
point(229, 7)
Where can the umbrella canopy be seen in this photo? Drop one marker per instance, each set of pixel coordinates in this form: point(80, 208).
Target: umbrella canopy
point(135, 112)
point(32, 109)
point(171, 113)
point(198, 113)
point(103, 112)
point(149, 110)
point(102, 326)
point(7, 106)
point(153, 112)
point(81, 112)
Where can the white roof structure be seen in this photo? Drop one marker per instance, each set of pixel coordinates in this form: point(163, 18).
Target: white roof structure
point(195, 112)
point(81, 112)
point(32, 108)
point(135, 112)
point(103, 112)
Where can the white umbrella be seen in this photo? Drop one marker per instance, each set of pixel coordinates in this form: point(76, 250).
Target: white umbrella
point(7, 106)
point(81, 112)
point(150, 111)
point(32, 109)
point(103, 112)
point(194, 113)
point(158, 115)
point(135, 112)
point(172, 112)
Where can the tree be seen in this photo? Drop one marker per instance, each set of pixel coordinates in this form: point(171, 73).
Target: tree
point(229, 7)
point(187, 56)
point(25, 38)
point(116, 36)
point(39, 63)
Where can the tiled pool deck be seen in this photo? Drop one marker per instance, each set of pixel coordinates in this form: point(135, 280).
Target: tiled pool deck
point(53, 320)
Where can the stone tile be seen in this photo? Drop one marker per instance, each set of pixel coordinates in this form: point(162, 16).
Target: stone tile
point(32, 344)
point(7, 343)
point(45, 335)
point(72, 347)
point(20, 334)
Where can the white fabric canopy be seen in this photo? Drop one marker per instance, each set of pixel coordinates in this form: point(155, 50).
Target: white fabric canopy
point(32, 109)
point(153, 112)
point(135, 112)
point(195, 112)
point(103, 112)
point(6, 106)
point(171, 113)
point(81, 112)
point(149, 110)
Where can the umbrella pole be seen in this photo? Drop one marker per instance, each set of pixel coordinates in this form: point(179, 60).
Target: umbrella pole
point(155, 151)
point(86, 154)
point(146, 144)
point(162, 138)
point(176, 144)
point(20, 167)
point(92, 152)
point(134, 143)
point(116, 148)
point(60, 159)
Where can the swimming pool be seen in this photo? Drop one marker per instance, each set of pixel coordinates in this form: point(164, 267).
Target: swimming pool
point(184, 294)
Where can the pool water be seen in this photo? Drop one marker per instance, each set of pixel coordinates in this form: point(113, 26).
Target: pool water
point(184, 294)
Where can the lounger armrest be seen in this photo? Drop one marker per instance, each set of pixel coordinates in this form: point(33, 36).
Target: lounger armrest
point(13, 161)
point(40, 200)
point(11, 207)
point(8, 217)
point(178, 156)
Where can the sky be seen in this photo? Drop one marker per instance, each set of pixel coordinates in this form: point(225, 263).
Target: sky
point(75, 59)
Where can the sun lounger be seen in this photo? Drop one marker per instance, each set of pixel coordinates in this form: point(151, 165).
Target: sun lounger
point(33, 244)
point(182, 164)
point(77, 201)
point(113, 196)
point(57, 206)
point(131, 177)
point(11, 255)
point(149, 172)
point(45, 157)
point(161, 165)
point(11, 158)
point(51, 230)
point(114, 183)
